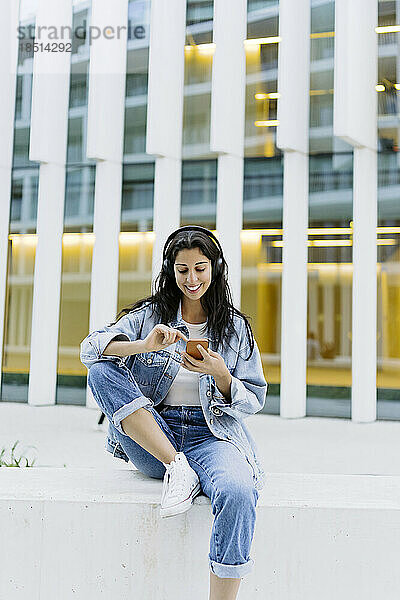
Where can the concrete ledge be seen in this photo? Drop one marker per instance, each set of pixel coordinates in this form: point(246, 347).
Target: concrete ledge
point(91, 533)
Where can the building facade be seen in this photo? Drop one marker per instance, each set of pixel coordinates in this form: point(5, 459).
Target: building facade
point(113, 143)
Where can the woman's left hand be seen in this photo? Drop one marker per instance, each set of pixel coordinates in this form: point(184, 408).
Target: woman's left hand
point(212, 362)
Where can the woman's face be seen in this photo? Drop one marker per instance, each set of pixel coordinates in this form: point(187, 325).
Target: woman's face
point(192, 270)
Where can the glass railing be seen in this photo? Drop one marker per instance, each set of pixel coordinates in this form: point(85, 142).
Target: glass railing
point(322, 48)
point(199, 182)
point(258, 5)
point(385, 39)
point(388, 103)
point(199, 12)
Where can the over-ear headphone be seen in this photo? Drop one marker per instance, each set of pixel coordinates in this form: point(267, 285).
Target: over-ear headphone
point(218, 266)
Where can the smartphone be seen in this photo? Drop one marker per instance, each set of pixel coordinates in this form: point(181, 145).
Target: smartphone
point(192, 350)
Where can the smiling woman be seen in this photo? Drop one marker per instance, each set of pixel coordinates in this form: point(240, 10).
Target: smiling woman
point(178, 418)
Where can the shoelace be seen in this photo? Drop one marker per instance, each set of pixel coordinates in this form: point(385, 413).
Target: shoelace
point(177, 483)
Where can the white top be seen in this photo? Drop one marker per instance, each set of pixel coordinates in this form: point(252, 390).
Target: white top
point(184, 390)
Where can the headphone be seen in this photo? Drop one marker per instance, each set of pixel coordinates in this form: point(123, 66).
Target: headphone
point(167, 263)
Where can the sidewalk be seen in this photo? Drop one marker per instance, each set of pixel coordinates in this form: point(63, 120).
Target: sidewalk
point(68, 435)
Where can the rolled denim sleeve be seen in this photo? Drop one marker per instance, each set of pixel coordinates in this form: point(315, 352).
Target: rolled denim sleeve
point(248, 386)
point(93, 346)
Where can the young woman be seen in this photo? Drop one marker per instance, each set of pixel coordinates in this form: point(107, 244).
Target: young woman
point(181, 419)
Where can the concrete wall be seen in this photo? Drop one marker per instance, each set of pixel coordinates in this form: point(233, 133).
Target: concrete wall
point(91, 533)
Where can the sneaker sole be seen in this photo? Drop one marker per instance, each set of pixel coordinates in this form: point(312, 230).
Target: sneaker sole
point(170, 511)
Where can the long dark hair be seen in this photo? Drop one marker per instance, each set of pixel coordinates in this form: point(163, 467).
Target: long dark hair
point(217, 300)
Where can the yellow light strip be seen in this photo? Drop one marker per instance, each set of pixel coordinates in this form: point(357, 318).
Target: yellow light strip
point(210, 47)
point(334, 243)
point(73, 239)
point(136, 237)
point(329, 243)
point(388, 29)
point(386, 242)
point(326, 243)
point(264, 96)
point(322, 34)
point(126, 237)
point(320, 92)
point(330, 231)
point(311, 231)
point(275, 39)
point(388, 229)
point(206, 48)
point(312, 266)
point(201, 47)
point(28, 239)
point(379, 88)
point(321, 231)
point(257, 232)
point(264, 40)
point(271, 123)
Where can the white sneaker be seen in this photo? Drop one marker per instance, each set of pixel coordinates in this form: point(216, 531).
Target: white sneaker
point(181, 485)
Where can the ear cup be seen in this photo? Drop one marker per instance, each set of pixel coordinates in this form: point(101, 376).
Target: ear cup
point(219, 266)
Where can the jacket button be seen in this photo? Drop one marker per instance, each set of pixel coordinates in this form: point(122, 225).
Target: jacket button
point(212, 421)
point(149, 361)
point(208, 393)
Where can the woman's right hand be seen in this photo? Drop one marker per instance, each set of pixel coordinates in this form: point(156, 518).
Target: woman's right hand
point(162, 336)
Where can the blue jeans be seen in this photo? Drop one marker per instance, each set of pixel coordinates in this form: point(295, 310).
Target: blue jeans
point(225, 475)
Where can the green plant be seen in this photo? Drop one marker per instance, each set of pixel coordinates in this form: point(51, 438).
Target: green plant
point(14, 461)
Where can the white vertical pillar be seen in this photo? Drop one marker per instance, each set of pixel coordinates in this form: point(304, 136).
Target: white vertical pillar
point(365, 188)
point(230, 217)
point(294, 286)
point(292, 137)
point(48, 145)
point(106, 228)
point(165, 116)
point(227, 130)
point(106, 115)
point(167, 206)
point(8, 73)
point(355, 122)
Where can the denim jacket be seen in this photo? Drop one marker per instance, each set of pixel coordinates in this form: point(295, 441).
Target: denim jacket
point(154, 373)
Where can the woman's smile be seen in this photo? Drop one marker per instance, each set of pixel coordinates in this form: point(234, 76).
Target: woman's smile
point(193, 290)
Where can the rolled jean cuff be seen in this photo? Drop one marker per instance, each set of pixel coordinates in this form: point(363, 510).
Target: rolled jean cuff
point(231, 570)
point(128, 409)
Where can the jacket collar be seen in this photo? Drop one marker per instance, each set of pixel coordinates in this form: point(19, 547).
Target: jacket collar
point(178, 321)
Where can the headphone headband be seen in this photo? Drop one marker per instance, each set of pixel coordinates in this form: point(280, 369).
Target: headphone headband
point(191, 228)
